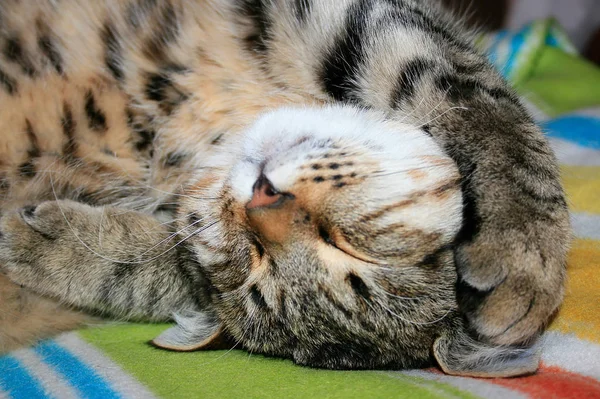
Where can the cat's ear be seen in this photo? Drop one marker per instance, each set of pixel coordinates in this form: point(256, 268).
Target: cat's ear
point(457, 353)
point(194, 331)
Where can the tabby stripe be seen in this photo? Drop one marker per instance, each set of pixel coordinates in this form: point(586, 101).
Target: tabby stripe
point(113, 57)
point(68, 125)
point(341, 65)
point(96, 118)
point(257, 11)
point(459, 89)
point(283, 312)
point(34, 150)
point(408, 80)
point(27, 168)
point(174, 159)
point(9, 84)
point(302, 9)
point(257, 298)
point(412, 17)
point(48, 48)
point(13, 51)
point(160, 88)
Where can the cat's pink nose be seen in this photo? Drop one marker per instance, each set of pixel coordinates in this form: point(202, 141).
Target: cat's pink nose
point(264, 194)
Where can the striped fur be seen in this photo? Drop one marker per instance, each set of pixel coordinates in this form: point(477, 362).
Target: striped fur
point(398, 157)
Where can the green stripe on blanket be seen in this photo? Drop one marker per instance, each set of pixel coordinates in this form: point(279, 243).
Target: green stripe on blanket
point(237, 374)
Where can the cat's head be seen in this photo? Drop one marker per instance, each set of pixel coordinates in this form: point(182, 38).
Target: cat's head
point(327, 237)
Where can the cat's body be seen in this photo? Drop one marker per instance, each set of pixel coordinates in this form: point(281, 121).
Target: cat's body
point(150, 106)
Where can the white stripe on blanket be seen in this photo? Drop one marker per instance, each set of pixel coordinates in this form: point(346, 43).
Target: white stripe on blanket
point(477, 386)
point(53, 384)
point(127, 386)
point(571, 353)
point(569, 153)
point(585, 225)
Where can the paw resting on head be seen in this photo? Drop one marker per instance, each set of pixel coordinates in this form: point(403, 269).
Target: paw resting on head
point(512, 281)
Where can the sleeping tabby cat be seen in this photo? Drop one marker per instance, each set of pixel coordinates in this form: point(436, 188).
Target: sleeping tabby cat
point(346, 183)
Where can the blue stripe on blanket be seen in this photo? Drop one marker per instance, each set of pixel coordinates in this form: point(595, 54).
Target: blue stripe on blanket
point(79, 375)
point(17, 382)
point(583, 130)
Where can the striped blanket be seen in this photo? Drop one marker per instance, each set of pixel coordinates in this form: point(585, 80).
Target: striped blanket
point(115, 361)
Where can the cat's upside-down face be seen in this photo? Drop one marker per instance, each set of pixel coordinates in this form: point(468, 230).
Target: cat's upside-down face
point(327, 238)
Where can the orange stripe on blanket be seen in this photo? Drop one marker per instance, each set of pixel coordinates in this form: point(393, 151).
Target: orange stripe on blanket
point(553, 382)
point(580, 313)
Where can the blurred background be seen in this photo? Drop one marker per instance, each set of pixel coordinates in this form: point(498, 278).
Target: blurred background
point(580, 18)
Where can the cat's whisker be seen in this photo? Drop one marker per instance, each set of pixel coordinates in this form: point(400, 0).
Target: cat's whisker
point(116, 260)
point(404, 319)
point(442, 114)
point(444, 97)
point(383, 174)
point(171, 236)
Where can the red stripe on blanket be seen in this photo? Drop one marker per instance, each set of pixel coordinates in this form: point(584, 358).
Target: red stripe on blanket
point(553, 382)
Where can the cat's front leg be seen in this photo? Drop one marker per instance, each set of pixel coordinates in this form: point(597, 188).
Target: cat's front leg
point(122, 263)
point(511, 252)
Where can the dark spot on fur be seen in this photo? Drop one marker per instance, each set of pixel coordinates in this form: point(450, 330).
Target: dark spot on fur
point(319, 179)
point(334, 166)
point(109, 152)
point(358, 286)
point(169, 207)
point(13, 51)
point(325, 236)
point(160, 88)
point(113, 57)
point(96, 117)
point(316, 166)
point(68, 125)
point(259, 247)
point(194, 219)
point(433, 259)
point(27, 169)
point(258, 298)
point(50, 51)
point(282, 306)
point(175, 159)
point(29, 210)
point(34, 147)
point(337, 177)
point(340, 185)
point(353, 174)
point(256, 11)
point(146, 139)
point(9, 84)
point(217, 139)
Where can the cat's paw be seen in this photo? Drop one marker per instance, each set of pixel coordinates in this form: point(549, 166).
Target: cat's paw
point(33, 243)
point(511, 282)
